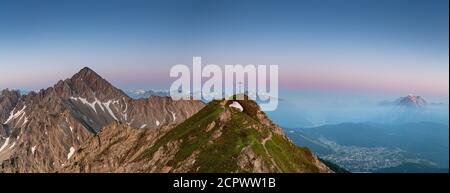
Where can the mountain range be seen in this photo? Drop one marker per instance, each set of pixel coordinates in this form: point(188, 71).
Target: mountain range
point(85, 124)
point(409, 101)
point(411, 108)
point(141, 93)
point(43, 130)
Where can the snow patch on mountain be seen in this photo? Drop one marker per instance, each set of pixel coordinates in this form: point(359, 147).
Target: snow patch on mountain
point(13, 115)
point(33, 149)
point(71, 152)
point(102, 105)
point(173, 116)
point(109, 110)
point(4, 144)
point(14, 144)
point(237, 106)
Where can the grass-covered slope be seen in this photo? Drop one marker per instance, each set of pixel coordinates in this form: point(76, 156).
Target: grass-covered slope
point(220, 138)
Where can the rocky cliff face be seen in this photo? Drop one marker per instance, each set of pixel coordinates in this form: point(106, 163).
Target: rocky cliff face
point(113, 149)
point(41, 131)
point(225, 136)
point(8, 100)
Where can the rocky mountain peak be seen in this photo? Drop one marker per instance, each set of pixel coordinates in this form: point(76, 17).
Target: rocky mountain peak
point(411, 101)
point(40, 132)
point(86, 74)
point(89, 85)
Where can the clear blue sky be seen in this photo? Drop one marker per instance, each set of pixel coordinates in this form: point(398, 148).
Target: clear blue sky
point(392, 46)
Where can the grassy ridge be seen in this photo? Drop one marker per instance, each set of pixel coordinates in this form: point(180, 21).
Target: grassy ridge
point(191, 126)
point(238, 132)
point(221, 156)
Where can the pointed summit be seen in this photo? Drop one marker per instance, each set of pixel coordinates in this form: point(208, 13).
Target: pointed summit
point(86, 83)
point(86, 70)
point(86, 74)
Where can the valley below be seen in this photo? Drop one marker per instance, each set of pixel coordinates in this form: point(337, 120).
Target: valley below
point(378, 148)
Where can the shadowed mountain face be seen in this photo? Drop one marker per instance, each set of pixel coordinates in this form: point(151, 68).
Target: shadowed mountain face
point(41, 131)
point(8, 100)
point(225, 136)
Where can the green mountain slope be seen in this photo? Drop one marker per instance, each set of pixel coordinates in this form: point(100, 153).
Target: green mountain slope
point(225, 136)
point(225, 139)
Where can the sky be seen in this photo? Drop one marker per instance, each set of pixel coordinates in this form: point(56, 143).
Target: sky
point(370, 47)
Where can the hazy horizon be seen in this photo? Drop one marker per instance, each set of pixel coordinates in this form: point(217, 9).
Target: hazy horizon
point(388, 48)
